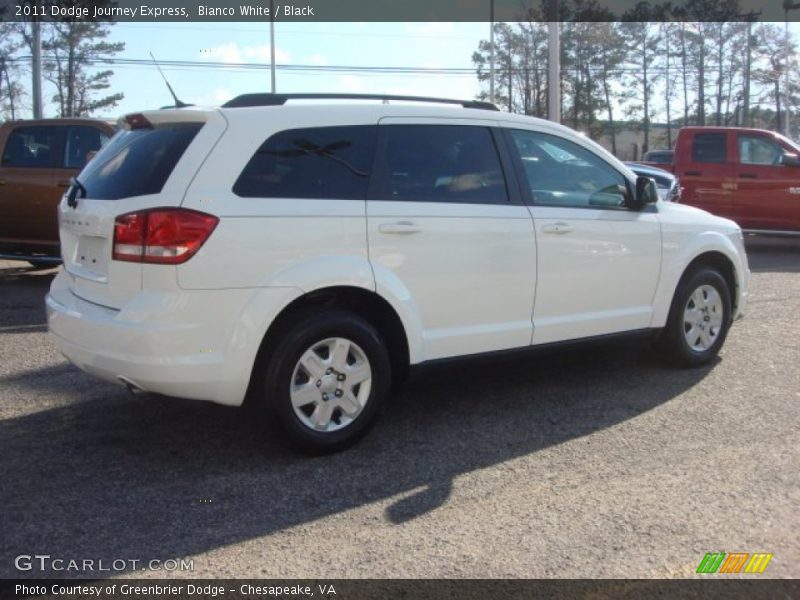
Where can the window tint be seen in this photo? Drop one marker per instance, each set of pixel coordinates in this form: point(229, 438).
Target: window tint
point(324, 162)
point(137, 162)
point(81, 140)
point(709, 148)
point(757, 150)
point(31, 146)
point(439, 163)
point(562, 173)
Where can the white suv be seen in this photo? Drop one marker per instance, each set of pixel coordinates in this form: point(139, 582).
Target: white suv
point(304, 254)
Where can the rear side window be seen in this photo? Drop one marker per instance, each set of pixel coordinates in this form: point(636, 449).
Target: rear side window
point(137, 162)
point(322, 162)
point(439, 163)
point(32, 146)
point(710, 148)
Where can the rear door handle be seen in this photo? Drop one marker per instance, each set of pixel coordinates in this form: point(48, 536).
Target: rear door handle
point(2, 181)
point(557, 228)
point(748, 176)
point(400, 227)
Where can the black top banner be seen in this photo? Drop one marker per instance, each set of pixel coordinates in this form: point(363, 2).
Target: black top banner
point(394, 10)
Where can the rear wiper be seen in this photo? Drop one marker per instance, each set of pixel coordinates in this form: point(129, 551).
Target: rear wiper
point(72, 195)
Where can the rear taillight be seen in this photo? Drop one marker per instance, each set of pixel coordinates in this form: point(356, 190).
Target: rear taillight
point(165, 236)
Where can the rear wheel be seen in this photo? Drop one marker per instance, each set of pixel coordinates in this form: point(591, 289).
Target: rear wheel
point(698, 320)
point(326, 381)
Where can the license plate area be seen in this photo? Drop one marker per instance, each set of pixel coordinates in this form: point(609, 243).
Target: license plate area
point(91, 258)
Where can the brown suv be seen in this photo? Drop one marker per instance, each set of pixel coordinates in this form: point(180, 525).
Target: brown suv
point(37, 160)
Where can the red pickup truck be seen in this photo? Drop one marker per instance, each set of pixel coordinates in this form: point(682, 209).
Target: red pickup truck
point(751, 176)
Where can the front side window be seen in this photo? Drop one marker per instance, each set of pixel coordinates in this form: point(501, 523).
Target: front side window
point(757, 150)
point(439, 163)
point(82, 140)
point(31, 146)
point(709, 148)
point(562, 173)
point(322, 162)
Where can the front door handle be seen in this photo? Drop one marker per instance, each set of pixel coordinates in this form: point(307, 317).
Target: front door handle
point(2, 181)
point(693, 173)
point(557, 228)
point(399, 227)
point(63, 183)
point(748, 176)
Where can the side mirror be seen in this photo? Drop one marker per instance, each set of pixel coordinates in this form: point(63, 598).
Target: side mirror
point(646, 193)
point(790, 159)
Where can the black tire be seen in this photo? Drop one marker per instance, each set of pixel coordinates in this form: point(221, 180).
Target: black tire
point(283, 372)
point(673, 342)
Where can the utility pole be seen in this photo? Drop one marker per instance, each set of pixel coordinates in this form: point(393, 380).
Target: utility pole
point(36, 69)
point(553, 63)
point(491, 51)
point(750, 16)
point(272, 43)
point(787, 6)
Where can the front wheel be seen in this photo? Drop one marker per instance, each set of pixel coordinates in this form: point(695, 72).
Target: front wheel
point(699, 319)
point(327, 380)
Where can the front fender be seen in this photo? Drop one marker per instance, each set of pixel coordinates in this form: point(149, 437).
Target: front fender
point(680, 253)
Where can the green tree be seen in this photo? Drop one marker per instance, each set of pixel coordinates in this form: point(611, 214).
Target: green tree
point(11, 90)
point(72, 49)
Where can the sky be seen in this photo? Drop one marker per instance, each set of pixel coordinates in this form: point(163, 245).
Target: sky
point(421, 45)
point(424, 45)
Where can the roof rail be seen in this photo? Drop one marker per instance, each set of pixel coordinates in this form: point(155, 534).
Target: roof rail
point(278, 99)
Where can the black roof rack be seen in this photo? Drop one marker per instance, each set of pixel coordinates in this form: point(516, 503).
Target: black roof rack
point(278, 99)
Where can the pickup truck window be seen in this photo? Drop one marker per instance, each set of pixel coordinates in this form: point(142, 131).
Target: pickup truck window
point(31, 146)
point(80, 141)
point(757, 150)
point(710, 148)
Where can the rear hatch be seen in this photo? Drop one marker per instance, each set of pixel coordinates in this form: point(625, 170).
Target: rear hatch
point(148, 164)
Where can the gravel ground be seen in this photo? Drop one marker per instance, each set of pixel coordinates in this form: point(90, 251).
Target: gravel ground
point(586, 462)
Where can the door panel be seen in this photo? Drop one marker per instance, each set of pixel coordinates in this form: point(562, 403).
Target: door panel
point(598, 271)
point(768, 193)
point(598, 262)
point(440, 225)
point(31, 184)
point(709, 180)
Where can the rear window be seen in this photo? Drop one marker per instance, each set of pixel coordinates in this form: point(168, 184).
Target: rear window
point(137, 162)
point(710, 148)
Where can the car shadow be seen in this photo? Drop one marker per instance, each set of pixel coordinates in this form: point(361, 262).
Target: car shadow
point(110, 476)
point(773, 254)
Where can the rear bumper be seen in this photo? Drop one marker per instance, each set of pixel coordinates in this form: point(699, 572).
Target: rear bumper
point(183, 344)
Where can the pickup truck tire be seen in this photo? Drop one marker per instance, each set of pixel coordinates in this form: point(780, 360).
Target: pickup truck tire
point(326, 381)
point(698, 320)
